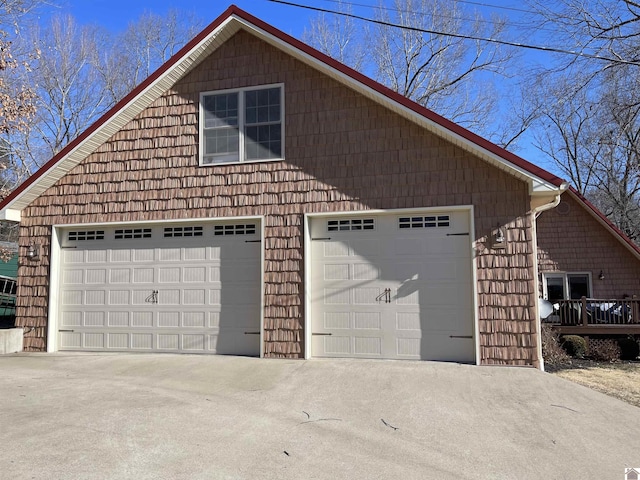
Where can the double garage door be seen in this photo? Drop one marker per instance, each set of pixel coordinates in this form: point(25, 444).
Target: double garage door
point(393, 286)
point(381, 286)
point(182, 288)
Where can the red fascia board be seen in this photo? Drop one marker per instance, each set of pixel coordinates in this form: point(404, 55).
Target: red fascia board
point(359, 77)
point(596, 211)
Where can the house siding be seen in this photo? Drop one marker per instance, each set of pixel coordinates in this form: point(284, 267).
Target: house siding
point(576, 242)
point(343, 152)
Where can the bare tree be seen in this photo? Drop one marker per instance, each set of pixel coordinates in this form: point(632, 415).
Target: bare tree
point(82, 71)
point(608, 28)
point(17, 105)
point(145, 45)
point(339, 36)
point(17, 100)
point(450, 74)
point(70, 90)
point(589, 123)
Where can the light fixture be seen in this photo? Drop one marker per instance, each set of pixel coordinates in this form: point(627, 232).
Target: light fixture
point(33, 252)
point(601, 276)
point(499, 239)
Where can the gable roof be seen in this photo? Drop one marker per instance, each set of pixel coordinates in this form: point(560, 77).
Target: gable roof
point(206, 42)
point(605, 222)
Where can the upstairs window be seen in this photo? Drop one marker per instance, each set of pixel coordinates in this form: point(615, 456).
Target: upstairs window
point(241, 125)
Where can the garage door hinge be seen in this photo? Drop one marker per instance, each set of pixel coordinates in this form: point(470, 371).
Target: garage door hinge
point(324, 334)
point(458, 234)
point(252, 241)
point(322, 238)
point(460, 336)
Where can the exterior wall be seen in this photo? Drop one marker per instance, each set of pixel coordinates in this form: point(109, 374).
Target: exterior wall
point(343, 153)
point(577, 242)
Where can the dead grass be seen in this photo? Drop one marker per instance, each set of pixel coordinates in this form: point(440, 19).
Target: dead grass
point(619, 380)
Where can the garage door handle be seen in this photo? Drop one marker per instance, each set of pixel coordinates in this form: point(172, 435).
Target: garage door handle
point(323, 334)
point(458, 234)
point(460, 336)
point(252, 333)
point(386, 294)
point(66, 331)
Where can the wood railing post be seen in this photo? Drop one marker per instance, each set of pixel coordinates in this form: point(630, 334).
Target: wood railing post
point(583, 310)
point(634, 310)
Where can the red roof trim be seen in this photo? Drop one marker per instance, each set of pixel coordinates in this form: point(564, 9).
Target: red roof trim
point(359, 77)
point(578, 196)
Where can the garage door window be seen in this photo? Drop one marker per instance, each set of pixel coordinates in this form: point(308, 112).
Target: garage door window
point(172, 232)
point(431, 221)
point(238, 229)
point(129, 233)
point(85, 235)
point(350, 224)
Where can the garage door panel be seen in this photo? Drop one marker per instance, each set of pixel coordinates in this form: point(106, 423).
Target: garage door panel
point(73, 277)
point(97, 256)
point(96, 276)
point(143, 275)
point(118, 319)
point(182, 293)
point(366, 321)
point(365, 295)
point(195, 253)
point(142, 319)
point(95, 297)
point(120, 275)
point(143, 255)
point(71, 319)
point(118, 256)
point(73, 256)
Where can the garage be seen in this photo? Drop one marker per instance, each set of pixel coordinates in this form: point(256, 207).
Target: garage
point(396, 286)
point(192, 288)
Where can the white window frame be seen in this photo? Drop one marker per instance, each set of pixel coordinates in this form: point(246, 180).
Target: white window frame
point(565, 278)
point(241, 124)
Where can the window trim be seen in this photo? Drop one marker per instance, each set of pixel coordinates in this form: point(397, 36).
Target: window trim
point(565, 282)
point(241, 124)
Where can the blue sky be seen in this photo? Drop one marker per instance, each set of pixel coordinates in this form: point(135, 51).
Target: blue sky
point(115, 14)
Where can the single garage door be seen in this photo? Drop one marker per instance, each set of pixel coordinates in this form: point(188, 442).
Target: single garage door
point(164, 288)
point(393, 286)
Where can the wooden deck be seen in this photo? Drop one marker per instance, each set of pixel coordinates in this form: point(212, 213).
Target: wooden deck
point(590, 316)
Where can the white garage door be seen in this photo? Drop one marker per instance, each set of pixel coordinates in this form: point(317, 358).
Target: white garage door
point(393, 286)
point(180, 288)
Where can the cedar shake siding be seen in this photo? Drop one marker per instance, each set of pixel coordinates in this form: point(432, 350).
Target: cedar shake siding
point(576, 242)
point(343, 152)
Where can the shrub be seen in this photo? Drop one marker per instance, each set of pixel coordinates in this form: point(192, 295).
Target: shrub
point(574, 345)
point(552, 352)
point(629, 348)
point(605, 351)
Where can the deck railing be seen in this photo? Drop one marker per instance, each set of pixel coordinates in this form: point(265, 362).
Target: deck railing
point(591, 311)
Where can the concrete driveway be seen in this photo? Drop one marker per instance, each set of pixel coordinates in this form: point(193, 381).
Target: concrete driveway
point(83, 416)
